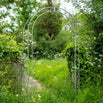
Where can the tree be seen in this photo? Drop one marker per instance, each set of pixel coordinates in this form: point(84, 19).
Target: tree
point(91, 25)
point(94, 20)
point(49, 24)
point(18, 13)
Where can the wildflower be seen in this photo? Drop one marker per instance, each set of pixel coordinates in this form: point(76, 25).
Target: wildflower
point(99, 60)
point(30, 41)
point(101, 55)
point(17, 95)
point(34, 42)
point(23, 89)
point(38, 62)
point(96, 58)
point(90, 63)
point(39, 96)
point(99, 65)
point(94, 38)
point(55, 77)
point(49, 66)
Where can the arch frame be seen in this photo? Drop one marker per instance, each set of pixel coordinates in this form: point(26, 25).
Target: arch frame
point(27, 27)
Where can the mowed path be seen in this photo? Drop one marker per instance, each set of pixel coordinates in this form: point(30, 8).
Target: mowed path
point(34, 82)
point(29, 81)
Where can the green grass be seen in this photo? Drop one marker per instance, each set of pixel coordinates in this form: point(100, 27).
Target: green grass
point(55, 79)
point(54, 76)
point(49, 72)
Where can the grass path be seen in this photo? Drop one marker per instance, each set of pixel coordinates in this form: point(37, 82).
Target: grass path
point(46, 72)
point(35, 83)
point(49, 72)
point(29, 81)
point(54, 78)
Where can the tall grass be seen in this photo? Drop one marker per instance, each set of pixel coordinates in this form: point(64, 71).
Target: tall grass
point(49, 72)
point(55, 79)
point(55, 76)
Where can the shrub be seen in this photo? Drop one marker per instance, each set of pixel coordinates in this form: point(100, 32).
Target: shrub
point(89, 64)
point(48, 25)
point(9, 48)
point(10, 52)
point(49, 48)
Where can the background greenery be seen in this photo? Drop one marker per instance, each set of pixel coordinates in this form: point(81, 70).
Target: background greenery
point(54, 48)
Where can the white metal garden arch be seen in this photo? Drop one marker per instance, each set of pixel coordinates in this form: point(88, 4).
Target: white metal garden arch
point(28, 36)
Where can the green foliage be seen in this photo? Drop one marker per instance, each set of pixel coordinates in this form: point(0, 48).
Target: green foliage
point(54, 76)
point(48, 48)
point(8, 44)
point(49, 42)
point(10, 53)
point(2, 2)
point(90, 52)
point(89, 64)
point(56, 84)
point(92, 94)
point(48, 25)
point(8, 47)
point(8, 97)
point(93, 18)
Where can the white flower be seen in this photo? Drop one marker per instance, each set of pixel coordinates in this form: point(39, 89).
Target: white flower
point(8, 46)
point(55, 77)
point(23, 89)
point(34, 42)
point(96, 58)
point(48, 66)
point(99, 65)
point(99, 60)
point(100, 55)
point(90, 63)
point(39, 96)
point(17, 95)
point(38, 62)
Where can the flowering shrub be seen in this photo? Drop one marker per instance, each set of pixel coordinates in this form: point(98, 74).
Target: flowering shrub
point(10, 53)
point(87, 60)
point(8, 47)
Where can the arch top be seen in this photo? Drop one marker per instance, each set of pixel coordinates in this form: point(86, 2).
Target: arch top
point(45, 10)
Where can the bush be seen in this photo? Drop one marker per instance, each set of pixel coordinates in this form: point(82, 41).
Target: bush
point(89, 64)
point(10, 52)
point(92, 94)
point(49, 48)
point(48, 25)
point(9, 48)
